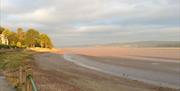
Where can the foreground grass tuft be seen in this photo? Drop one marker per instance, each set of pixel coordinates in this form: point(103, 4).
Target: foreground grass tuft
point(13, 59)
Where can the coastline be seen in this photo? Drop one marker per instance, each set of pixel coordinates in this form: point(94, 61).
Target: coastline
point(100, 52)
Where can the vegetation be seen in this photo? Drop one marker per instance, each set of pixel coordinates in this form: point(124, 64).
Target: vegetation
point(10, 62)
point(1, 29)
point(31, 38)
point(14, 58)
point(7, 46)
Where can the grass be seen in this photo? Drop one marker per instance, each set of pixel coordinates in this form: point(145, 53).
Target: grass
point(10, 61)
point(2, 46)
point(13, 59)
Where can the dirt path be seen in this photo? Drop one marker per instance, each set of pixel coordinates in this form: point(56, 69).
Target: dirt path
point(53, 73)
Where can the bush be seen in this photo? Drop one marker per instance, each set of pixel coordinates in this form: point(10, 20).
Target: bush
point(7, 46)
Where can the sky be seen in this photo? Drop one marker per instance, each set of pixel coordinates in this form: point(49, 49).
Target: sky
point(83, 22)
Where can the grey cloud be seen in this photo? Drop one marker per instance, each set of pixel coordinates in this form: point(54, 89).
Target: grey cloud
point(92, 21)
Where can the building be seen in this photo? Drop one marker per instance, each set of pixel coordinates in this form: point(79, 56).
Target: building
point(3, 39)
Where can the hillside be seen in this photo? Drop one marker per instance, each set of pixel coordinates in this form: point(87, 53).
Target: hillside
point(146, 44)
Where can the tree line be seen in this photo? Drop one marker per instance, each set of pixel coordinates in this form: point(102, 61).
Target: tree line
point(29, 39)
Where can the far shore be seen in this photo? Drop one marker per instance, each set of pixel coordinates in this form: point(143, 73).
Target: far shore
point(169, 53)
point(161, 52)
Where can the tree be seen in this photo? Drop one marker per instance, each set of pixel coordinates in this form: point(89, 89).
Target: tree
point(18, 44)
point(42, 40)
point(13, 38)
point(6, 32)
point(45, 41)
point(21, 36)
point(0, 41)
point(1, 29)
point(49, 43)
point(32, 37)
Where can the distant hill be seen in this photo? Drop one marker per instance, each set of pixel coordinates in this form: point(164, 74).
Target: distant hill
point(146, 44)
point(134, 44)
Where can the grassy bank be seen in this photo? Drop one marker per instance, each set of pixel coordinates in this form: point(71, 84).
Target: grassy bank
point(7, 46)
point(11, 59)
point(10, 62)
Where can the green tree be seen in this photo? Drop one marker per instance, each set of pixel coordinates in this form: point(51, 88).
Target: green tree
point(6, 32)
point(1, 29)
point(18, 44)
point(32, 37)
point(45, 41)
point(21, 36)
point(0, 41)
point(42, 40)
point(13, 38)
point(49, 43)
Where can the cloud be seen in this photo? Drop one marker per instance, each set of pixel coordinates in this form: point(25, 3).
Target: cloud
point(92, 21)
point(39, 15)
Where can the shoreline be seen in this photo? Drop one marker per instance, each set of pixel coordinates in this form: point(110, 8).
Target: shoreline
point(84, 78)
point(63, 51)
point(165, 53)
point(128, 74)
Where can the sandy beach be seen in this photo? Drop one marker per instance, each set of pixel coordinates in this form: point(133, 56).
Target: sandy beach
point(95, 69)
point(166, 53)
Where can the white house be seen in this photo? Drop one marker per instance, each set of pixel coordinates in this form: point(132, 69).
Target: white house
point(3, 40)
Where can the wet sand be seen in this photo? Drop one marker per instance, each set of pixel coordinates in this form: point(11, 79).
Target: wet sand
point(158, 66)
point(165, 53)
point(161, 73)
point(53, 72)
